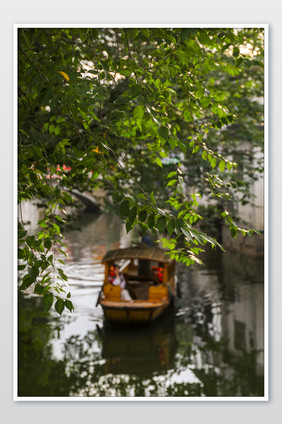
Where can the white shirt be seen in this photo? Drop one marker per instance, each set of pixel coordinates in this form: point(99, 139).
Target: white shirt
point(119, 281)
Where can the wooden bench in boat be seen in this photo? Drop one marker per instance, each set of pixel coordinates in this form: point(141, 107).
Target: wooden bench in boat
point(145, 292)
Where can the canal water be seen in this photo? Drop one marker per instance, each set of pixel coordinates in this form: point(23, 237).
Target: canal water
point(210, 345)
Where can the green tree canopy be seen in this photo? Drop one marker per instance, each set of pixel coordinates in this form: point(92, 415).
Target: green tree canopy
point(154, 116)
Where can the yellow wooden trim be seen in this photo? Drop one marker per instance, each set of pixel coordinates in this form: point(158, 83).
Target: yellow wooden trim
point(157, 293)
point(112, 292)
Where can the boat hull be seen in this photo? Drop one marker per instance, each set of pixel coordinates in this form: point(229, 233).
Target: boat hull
point(135, 312)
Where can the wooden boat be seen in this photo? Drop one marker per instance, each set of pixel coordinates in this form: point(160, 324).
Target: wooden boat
point(150, 281)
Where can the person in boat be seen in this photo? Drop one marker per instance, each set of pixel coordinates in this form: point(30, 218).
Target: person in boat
point(118, 280)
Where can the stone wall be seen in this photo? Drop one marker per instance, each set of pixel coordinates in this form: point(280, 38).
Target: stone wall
point(251, 246)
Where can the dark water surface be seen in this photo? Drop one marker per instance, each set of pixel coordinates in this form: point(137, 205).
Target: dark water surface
point(211, 345)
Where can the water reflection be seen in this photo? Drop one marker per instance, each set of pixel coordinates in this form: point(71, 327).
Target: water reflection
point(145, 349)
point(39, 374)
point(212, 345)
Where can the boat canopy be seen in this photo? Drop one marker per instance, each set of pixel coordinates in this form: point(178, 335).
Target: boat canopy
point(147, 253)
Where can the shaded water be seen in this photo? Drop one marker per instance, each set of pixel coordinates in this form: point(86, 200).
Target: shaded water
point(211, 345)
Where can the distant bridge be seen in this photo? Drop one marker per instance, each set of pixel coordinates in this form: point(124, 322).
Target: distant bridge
point(92, 201)
point(89, 201)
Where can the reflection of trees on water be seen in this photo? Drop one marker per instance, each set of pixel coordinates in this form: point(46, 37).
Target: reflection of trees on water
point(224, 301)
point(223, 375)
point(169, 359)
point(38, 373)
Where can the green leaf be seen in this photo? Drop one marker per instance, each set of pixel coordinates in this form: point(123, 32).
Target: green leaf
point(138, 112)
point(236, 52)
point(48, 301)
point(213, 163)
point(62, 274)
point(141, 196)
point(133, 212)
point(151, 221)
point(64, 253)
point(187, 115)
point(38, 263)
point(187, 234)
point(38, 289)
point(179, 188)
point(47, 243)
point(69, 305)
point(50, 258)
point(199, 93)
point(37, 244)
point(153, 200)
point(204, 155)
point(205, 101)
point(57, 228)
point(44, 265)
point(21, 234)
point(221, 165)
point(33, 273)
point(21, 253)
point(182, 146)
point(143, 228)
point(30, 241)
point(142, 215)
point(129, 224)
point(51, 128)
point(59, 306)
point(124, 207)
point(229, 166)
point(172, 143)
point(204, 38)
point(159, 162)
point(233, 231)
point(170, 226)
point(182, 56)
point(27, 281)
point(42, 224)
point(171, 183)
point(21, 267)
point(157, 83)
point(122, 100)
point(172, 174)
point(163, 132)
point(161, 224)
point(131, 219)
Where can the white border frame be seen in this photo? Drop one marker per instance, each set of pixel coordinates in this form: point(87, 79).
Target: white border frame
point(266, 217)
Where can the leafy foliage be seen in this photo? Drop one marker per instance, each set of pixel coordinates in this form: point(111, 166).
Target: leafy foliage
point(154, 116)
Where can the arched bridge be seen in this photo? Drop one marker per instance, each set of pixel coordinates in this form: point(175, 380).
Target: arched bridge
point(90, 202)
